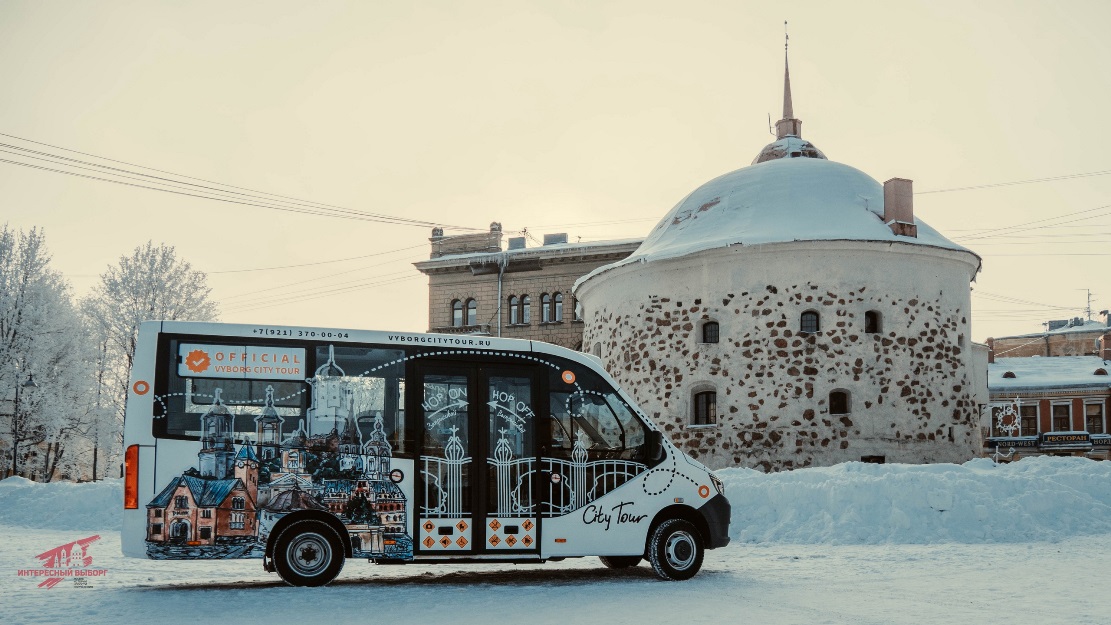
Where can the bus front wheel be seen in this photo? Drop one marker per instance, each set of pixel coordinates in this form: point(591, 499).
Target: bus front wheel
point(676, 550)
point(308, 553)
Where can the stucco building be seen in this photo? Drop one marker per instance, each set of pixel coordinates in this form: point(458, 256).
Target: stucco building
point(476, 287)
point(795, 313)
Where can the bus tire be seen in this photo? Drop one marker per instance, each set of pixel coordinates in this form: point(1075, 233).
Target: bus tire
point(620, 562)
point(676, 550)
point(308, 553)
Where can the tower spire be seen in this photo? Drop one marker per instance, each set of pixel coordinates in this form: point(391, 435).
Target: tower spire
point(788, 109)
point(788, 126)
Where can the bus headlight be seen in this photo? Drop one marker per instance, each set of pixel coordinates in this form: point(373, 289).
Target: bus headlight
point(718, 484)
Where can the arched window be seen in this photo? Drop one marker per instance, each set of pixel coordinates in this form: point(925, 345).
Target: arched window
point(557, 307)
point(873, 323)
point(472, 312)
point(526, 314)
point(808, 323)
point(710, 332)
point(456, 313)
point(512, 310)
point(705, 408)
point(545, 308)
point(237, 503)
point(839, 402)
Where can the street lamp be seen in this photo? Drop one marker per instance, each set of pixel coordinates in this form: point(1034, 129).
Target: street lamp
point(30, 383)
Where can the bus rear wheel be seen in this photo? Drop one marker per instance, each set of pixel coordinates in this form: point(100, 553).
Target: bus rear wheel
point(308, 553)
point(620, 562)
point(676, 550)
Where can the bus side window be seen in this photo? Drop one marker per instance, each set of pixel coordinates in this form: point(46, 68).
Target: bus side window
point(374, 381)
point(594, 417)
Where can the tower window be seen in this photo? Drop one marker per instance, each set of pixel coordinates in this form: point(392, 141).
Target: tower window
point(808, 322)
point(839, 402)
point(705, 408)
point(710, 332)
point(872, 322)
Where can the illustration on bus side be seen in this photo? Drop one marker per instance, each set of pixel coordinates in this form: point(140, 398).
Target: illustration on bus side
point(340, 459)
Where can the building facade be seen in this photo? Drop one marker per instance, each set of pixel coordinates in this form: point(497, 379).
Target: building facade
point(476, 287)
point(795, 313)
point(1048, 406)
point(1064, 337)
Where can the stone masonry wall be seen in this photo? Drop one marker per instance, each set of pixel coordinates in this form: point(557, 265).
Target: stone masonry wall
point(912, 398)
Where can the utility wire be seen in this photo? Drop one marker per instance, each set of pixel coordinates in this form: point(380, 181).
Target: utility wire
point(319, 207)
point(1017, 182)
point(322, 262)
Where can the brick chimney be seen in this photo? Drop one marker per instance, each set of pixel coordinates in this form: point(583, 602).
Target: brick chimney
point(1105, 346)
point(898, 207)
point(991, 350)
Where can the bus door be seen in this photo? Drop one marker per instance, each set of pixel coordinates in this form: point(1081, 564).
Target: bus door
point(478, 460)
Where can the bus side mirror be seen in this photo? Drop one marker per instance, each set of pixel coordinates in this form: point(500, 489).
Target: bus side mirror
point(655, 445)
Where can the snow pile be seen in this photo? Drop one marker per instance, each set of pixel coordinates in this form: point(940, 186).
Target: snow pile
point(61, 505)
point(1036, 499)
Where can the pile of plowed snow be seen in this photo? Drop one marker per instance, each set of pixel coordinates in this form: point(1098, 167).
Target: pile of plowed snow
point(1037, 499)
point(61, 505)
point(1041, 498)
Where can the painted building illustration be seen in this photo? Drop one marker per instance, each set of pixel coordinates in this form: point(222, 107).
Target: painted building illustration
point(213, 506)
point(227, 506)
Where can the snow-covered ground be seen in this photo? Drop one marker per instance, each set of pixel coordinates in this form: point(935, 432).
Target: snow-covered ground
point(977, 543)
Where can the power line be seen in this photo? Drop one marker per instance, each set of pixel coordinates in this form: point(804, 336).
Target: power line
point(256, 197)
point(1023, 227)
point(317, 280)
point(322, 262)
point(1017, 182)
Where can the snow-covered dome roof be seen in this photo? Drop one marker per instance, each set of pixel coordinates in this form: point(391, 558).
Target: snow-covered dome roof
point(781, 200)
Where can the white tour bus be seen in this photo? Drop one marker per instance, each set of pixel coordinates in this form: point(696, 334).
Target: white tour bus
point(306, 446)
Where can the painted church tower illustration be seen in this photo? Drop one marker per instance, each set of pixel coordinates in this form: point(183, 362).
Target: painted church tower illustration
point(268, 429)
point(331, 398)
point(378, 452)
point(246, 469)
point(216, 458)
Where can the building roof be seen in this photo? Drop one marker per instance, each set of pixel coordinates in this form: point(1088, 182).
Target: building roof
point(1058, 372)
point(246, 452)
point(206, 493)
point(1086, 326)
point(543, 252)
point(293, 499)
point(782, 200)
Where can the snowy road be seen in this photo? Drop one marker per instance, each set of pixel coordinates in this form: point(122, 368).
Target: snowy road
point(1040, 583)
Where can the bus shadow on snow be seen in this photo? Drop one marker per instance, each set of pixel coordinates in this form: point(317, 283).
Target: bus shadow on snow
point(508, 577)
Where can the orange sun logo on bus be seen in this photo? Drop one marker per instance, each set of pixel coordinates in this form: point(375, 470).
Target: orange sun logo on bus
point(197, 361)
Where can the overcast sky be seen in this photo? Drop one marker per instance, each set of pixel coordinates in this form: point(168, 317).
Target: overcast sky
point(594, 119)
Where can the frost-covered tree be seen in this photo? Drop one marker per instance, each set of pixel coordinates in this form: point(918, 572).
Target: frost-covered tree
point(40, 336)
point(151, 283)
